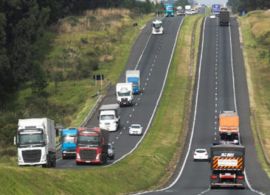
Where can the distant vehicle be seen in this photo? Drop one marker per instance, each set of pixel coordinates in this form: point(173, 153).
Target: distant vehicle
point(92, 146)
point(124, 94)
point(229, 127)
point(68, 142)
point(157, 27)
point(200, 154)
point(133, 76)
point(216, 9)
point(180, 11)
point(227, 166)
point(135, 129)
point(188, 10)
point(36, 142)
point(169, 10)
point(224, 17)
point(110, 151)
point(109, 118)
point(212, 16)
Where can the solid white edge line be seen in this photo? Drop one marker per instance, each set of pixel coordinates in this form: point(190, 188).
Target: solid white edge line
point(157, 103)
point(193, 125)
point(234, 93)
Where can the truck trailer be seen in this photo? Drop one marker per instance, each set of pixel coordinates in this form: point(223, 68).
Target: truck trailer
point(35, 142)
point(224, 17)
point(229, 128)
point(68, 142)
point(227, 166)
point(133, 76)
point(92, 146)
point(109, 118)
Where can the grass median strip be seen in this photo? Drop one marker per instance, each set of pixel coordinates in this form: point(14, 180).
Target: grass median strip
point(151, 165)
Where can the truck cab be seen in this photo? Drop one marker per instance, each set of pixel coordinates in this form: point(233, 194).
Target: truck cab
point(92, 146)
point(68, 142)
point(169, 10)
point(157, 27)
point(109, 118)
point(124, 94)
point(36, 142)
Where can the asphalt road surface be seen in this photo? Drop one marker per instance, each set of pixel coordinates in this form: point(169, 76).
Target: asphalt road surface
point(221, 86)
point(151, 55)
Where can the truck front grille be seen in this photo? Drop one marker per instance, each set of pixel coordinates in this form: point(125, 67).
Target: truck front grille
point(31, 156)
point(88, 154)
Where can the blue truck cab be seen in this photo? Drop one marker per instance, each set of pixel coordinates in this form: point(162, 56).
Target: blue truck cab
point(68, 142)
point(169, 10)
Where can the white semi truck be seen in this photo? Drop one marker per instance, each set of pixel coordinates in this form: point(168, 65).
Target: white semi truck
point(124, 94)
point(109, 118)
point(35, 141)
point(157, 27)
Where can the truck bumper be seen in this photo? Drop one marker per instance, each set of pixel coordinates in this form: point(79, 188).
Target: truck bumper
point(78, 161)
point(227, 185)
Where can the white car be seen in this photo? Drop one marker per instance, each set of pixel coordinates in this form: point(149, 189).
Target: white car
point(110, 151)
point(213, 16)
point(135, 129)
point(200, 154)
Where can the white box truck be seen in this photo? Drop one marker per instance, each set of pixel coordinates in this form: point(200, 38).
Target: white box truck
point(109, 118)
point(124, 94)
point(133, 76)
point(36, 142)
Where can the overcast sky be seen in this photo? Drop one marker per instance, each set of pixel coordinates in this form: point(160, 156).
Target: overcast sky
point(210, 2)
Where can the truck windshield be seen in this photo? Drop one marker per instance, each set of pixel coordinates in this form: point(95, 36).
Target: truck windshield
point(88, 140)
point(31, 138)
point(124, 94)
point(157, 25)
point(106, 117)
point(227, 137)
point(69, 139)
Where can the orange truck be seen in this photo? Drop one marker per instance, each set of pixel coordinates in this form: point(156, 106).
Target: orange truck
point(227, 166)
point(229, 127)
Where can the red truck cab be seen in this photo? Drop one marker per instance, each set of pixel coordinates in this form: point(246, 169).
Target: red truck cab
point(92, 146)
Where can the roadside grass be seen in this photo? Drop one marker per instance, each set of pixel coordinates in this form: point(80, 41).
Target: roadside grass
point(151, 165)
point(255, 28)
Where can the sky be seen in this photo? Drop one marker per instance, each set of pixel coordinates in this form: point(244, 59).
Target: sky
point(210, 2)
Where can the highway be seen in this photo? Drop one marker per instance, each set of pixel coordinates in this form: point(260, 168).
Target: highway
point(151, 54)
point(221, 85)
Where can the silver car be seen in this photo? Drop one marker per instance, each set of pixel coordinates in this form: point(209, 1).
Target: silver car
point(110, 151)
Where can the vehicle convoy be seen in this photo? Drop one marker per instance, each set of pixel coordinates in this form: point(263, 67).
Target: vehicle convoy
point(157, 27)
point(68, 142)
point(36, 142)
point(229, 128)
point(92, 146)
point(169, 10)
point(109, 118)
point(133, 76)
point(224, 17)
point(124, 94)
point(188, 10)
point(227, 166)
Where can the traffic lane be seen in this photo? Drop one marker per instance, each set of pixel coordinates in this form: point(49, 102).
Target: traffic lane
point(256, 175)
point(110, 99)
point(225, 69)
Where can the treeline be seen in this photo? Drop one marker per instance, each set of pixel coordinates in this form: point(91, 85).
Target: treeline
point(248, 5)
point(23, 23)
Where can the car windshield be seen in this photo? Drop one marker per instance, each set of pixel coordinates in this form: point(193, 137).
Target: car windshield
point(33, 138)
point(135, 126)
point(88, 140)
point(157, 25)
point(200, 151)
point(106, 117)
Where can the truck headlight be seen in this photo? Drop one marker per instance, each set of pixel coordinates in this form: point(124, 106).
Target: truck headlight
point(98, 156)
point(78, 156)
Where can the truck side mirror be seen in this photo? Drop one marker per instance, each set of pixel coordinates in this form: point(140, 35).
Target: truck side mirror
point(14, 140)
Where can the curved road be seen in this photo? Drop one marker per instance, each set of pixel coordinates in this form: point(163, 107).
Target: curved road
point(151, 55)
point(221, 86)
